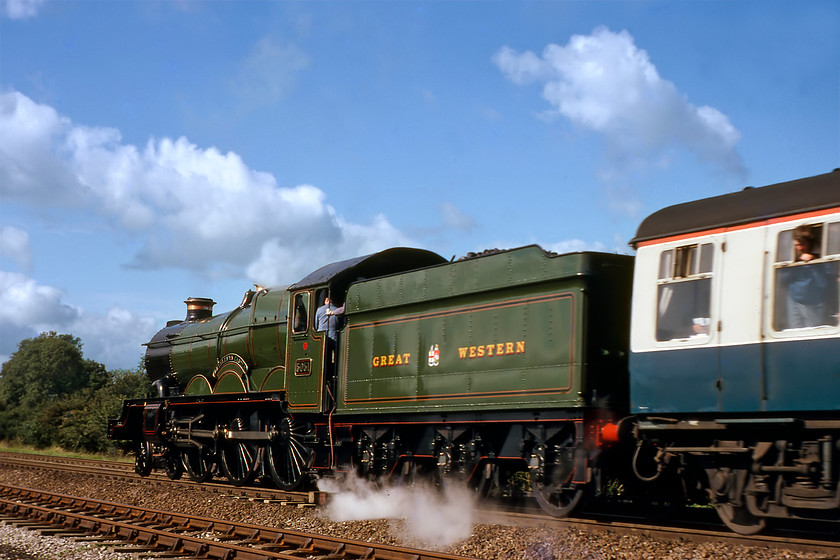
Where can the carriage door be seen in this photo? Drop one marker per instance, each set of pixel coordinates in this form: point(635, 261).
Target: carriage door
point(740, 275)
point(305, 358)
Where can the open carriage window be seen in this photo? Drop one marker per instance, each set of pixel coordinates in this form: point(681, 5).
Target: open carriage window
point(807, 277)
point(684, 292)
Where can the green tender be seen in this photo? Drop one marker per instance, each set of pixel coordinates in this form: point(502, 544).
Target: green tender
point(520, 329)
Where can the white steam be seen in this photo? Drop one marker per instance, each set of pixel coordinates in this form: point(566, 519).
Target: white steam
point(437, 518)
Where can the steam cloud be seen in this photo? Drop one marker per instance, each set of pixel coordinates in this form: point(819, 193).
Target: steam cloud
point(437, 518)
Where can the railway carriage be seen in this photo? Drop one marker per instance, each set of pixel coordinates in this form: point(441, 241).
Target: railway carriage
point(735, 347)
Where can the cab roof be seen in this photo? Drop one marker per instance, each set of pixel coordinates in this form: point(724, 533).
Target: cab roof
point(390, 261)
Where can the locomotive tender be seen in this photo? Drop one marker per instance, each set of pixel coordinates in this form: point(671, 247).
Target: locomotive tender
point(724, 385)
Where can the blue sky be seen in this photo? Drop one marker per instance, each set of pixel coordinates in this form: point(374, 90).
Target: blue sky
point(153, 151)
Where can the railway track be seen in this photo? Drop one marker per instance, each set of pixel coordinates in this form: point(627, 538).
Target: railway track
point(698, 531)
point(125, 471)
point(154, 532)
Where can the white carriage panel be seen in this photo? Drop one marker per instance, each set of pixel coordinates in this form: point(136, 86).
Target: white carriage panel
point(740, 285)
point(643, 310)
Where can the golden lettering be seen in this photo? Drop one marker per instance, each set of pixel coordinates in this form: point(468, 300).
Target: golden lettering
point(391, 360)
point(493, 349)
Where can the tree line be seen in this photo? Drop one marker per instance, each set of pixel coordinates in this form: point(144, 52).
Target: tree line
point(51, 396)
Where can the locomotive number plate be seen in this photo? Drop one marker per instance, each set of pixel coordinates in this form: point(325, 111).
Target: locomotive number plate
point(303, 367)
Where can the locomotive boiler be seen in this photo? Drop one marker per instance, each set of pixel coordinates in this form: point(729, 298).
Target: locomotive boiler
point(707, 369)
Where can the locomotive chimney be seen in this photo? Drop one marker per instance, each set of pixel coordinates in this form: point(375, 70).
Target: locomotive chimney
point(199, 308)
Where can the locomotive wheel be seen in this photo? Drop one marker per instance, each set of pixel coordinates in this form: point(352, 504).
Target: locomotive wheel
point(238, 462)
point(174, 464)
point(143, 459)
point(287, 455)
point(198, 462)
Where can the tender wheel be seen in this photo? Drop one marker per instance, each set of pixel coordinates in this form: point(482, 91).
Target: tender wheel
point(552, 483)
point(287, 455)
point(143, 459)
point(739, 519)
point(485, 480)
point(238, 462)
point(198, 463)
point(557, 500)
point(174, 464)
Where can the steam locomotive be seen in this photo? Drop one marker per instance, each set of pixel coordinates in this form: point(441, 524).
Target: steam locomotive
point(706, 369)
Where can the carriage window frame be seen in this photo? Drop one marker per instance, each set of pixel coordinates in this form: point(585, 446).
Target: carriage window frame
point(684, 282)
point(300, 313)
point(826, 260)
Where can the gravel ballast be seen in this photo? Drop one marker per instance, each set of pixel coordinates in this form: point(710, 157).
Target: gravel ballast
point(414, 521)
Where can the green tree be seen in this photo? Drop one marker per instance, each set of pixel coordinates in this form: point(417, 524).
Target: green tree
point(50, 395)
point(86, 429)
point(44, 367)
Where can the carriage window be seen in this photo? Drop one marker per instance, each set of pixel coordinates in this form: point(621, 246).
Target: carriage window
point(301, 315)
point(807, 277)
point(833, 243)
point(784, 246)
point(666, 264)
point(684, 292)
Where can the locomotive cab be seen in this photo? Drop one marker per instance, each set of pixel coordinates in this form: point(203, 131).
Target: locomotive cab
point(312, 353)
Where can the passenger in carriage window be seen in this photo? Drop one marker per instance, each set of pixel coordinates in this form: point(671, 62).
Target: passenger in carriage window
point(808, 287)
point(804, 243)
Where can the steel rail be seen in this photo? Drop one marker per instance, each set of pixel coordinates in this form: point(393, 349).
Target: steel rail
point(199, 537)
point(125, 471)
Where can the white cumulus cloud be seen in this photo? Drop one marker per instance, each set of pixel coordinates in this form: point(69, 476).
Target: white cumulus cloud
point(21, 9)
point(28, 308)
point(190, 207)
point(605, 83)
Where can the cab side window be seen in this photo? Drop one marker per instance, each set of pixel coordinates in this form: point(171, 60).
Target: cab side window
point(300, 313)
point(807, 277)
point(684, 292)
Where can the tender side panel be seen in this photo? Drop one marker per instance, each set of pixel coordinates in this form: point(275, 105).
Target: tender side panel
point(497, 332)
point(521, 350)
